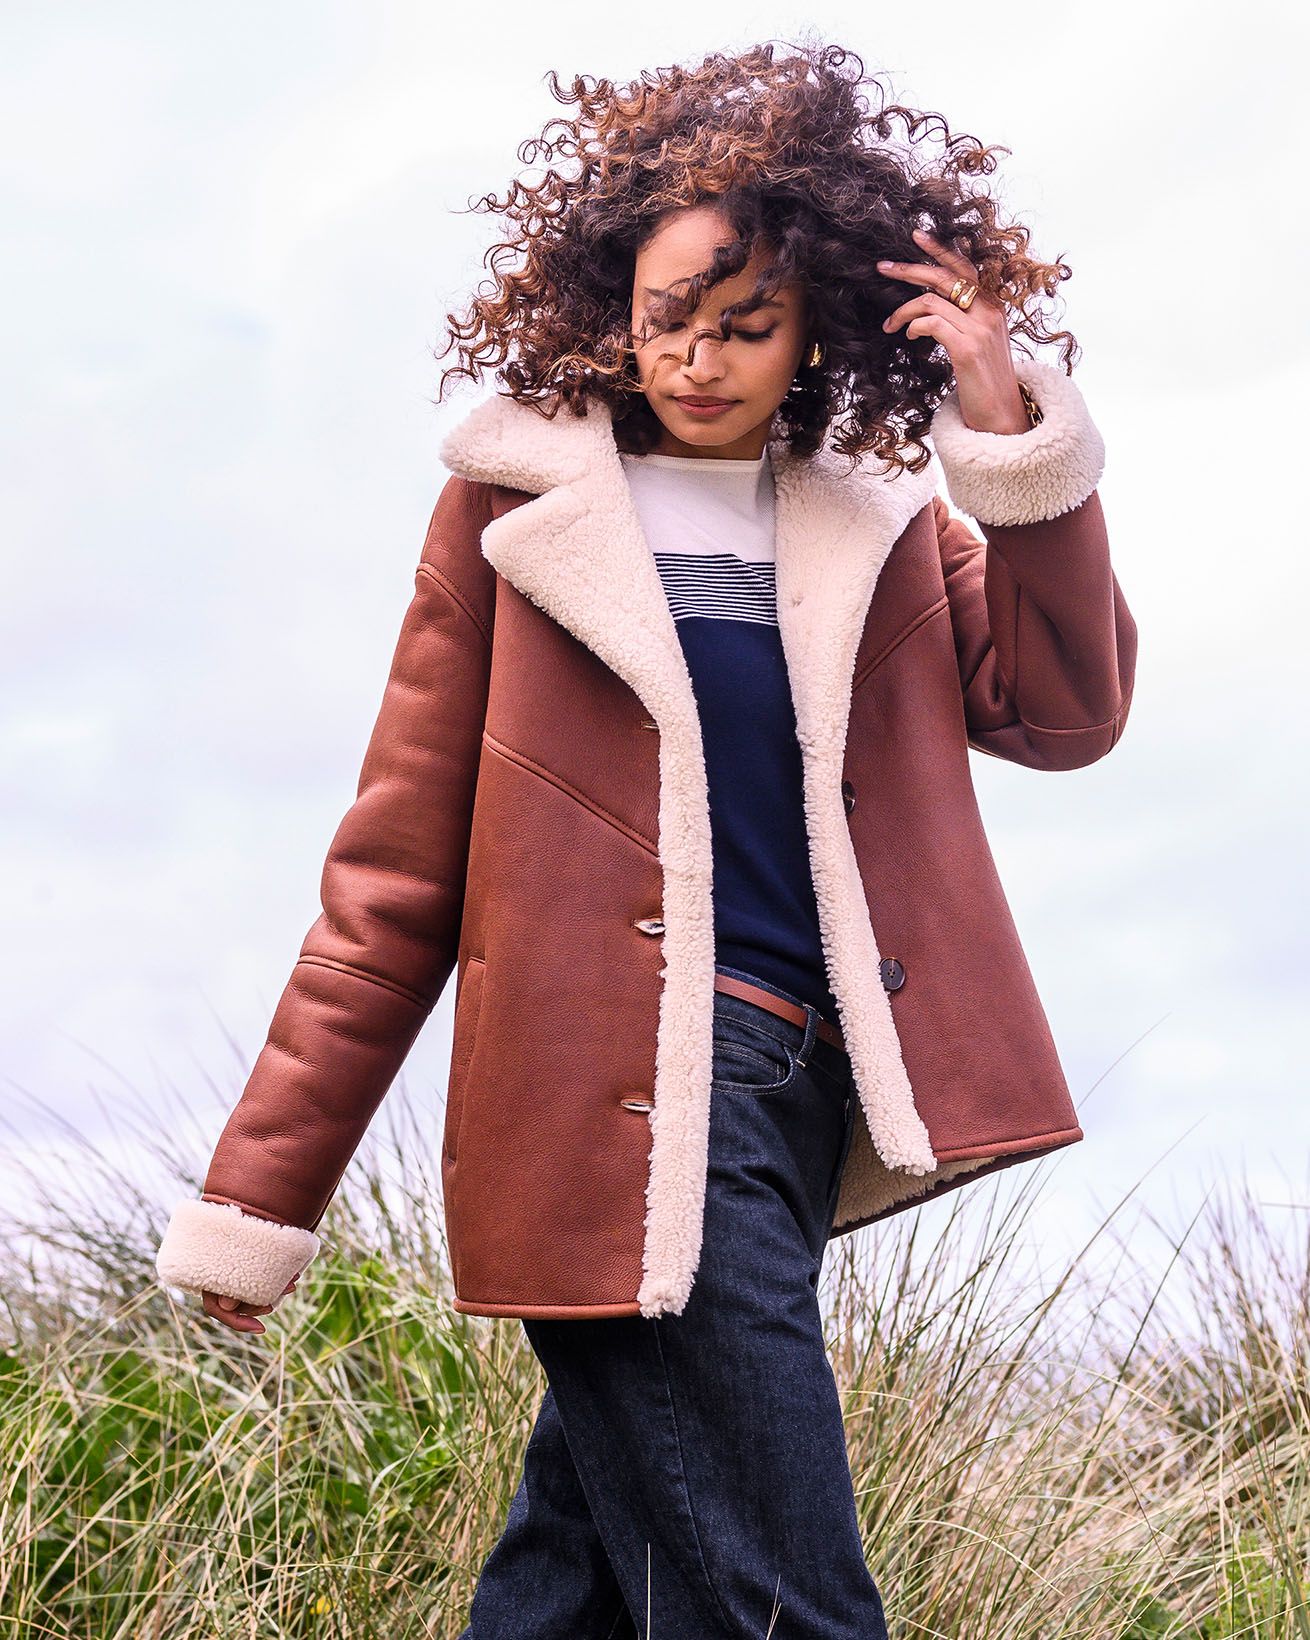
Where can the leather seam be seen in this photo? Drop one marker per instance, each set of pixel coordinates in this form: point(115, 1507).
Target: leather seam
point(588, 1307)
point(384, 984)
point(217, 1199)
point(910, 627)
point(461, 600)
point(1077, 729)
point(943, 604)
point(589, 803)
point(1036, 1140)
point(1072, 729)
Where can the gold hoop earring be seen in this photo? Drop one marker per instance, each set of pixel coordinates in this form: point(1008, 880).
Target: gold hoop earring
point(816, 357)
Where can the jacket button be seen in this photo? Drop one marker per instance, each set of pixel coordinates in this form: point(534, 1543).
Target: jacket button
point(893, 973)
point(649, 925)
point(848, 795)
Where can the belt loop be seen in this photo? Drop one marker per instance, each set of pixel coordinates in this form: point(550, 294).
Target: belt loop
point(811, 1030)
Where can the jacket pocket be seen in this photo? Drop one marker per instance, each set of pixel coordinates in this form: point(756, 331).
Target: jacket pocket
point(468, 1005)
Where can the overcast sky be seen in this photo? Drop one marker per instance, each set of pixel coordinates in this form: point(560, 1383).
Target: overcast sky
point(232, 241)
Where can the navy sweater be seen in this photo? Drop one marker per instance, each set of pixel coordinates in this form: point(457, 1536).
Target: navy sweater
point(710, 524)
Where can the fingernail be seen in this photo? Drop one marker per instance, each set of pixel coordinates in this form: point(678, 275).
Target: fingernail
point(228, 1303)
point(884, 264)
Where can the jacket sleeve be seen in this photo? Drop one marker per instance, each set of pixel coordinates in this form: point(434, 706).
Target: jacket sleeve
point(375, 961)
point(1045, 642)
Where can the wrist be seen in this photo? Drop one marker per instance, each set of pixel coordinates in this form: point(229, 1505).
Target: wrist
point(1022, 415)
point(1038, 474)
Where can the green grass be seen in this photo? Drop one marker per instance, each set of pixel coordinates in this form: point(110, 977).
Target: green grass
point(1115, 1450)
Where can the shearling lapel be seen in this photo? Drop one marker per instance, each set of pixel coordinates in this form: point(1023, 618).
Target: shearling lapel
point(578, 551)
point(834, 532)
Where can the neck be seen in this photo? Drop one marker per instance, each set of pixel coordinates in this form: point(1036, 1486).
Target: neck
point(750, 446)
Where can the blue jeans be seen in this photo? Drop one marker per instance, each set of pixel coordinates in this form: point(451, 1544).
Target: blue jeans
point(687, 1472)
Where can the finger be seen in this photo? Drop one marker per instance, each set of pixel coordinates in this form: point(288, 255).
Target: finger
point(213, 1305)
point(930, 324)
point(918, 273)
point(946, 254)
point(225, 1306)
point(927, 305)
point(939, 275)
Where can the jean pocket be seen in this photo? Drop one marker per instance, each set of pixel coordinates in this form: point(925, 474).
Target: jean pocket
point(750, 1060)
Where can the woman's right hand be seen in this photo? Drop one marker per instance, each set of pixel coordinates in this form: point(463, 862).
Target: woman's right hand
point(234, 1313)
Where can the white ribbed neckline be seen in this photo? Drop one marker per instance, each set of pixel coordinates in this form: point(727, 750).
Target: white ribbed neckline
point(731, 464)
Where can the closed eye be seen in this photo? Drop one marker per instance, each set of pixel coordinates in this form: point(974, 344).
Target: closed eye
point(746, 335)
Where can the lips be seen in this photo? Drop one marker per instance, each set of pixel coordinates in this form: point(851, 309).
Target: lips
point(702, 403)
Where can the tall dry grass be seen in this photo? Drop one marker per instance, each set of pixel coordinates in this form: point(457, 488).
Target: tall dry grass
point(1116, 1448)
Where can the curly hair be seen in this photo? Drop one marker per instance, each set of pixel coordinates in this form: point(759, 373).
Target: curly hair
point(808, 175)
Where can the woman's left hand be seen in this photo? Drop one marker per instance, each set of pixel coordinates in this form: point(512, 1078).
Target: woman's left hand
point(977, 338)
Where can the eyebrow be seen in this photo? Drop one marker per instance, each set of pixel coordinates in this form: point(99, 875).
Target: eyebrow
point(654, 290)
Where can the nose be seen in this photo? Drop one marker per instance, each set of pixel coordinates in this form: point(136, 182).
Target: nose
point(706, 359)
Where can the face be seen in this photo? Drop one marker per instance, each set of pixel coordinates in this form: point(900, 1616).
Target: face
point(752, 370)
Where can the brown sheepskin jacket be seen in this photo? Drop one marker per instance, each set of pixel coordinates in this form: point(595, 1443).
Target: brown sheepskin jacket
point(532, 816)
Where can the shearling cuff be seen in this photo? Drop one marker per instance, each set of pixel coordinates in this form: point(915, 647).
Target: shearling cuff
point(1022, 478)
point(215, 1245)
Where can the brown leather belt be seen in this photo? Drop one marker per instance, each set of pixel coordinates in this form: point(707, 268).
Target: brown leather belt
point(777, 1005)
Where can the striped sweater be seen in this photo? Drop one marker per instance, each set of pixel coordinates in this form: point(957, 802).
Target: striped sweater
point(709, 523)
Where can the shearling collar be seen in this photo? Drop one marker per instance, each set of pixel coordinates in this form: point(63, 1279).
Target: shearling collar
point(501, 441)
point(578, 550)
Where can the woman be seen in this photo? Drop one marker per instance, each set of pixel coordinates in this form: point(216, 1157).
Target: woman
point(672, 771)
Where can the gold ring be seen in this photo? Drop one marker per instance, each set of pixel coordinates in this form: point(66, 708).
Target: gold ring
point(962, 294)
